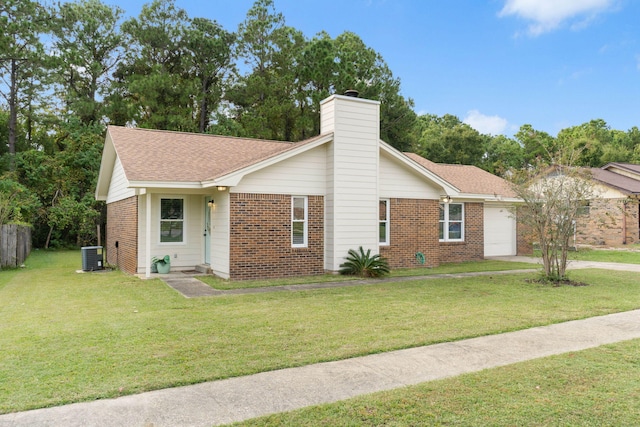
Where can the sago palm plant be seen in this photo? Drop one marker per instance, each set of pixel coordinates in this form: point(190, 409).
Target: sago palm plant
point(364, 264)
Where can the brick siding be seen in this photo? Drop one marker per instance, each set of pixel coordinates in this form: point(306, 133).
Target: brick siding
point(605, 223)
point(122, 227)
point(413, 229)
point(260, 237)
point(524, 239)
point(472, 249)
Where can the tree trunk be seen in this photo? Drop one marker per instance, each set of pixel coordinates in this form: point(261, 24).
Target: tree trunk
point(204, 107)
point(13, 113)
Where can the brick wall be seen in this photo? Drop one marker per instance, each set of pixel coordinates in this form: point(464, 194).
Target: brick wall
point(472, 249)
point(524, 238)
point(413, 229)
point(122, 227)
point(260, 237)
point(605, 224)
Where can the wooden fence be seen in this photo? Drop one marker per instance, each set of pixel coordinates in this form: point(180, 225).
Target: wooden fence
point(15, 245)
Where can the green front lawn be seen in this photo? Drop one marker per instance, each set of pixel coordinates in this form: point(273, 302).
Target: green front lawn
point(604, 255)
point(68, 337)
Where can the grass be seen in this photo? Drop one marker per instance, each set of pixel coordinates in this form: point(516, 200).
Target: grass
point(626, 257)
point(464, 267)
point(589, 388)
point(603, 255)
point(68, 337)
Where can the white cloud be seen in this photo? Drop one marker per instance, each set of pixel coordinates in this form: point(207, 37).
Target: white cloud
point(492, 125)
point(547, 15)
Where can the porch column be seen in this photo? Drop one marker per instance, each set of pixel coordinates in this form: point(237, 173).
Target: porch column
point(147, 239)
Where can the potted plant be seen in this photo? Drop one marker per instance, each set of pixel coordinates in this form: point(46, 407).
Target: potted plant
point(163, 265)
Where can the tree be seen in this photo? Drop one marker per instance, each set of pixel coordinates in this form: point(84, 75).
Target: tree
point(447, 140)
point(265, 98)
point(64, 182)
point(361, 68)
point(538, 146)
point(21, 56)
point(209, 52)
point(586, 141)
point(502, 156)
point(154, 88)
point(553, 199)
point(88, 46)
point(17, 203)
point(289, 75)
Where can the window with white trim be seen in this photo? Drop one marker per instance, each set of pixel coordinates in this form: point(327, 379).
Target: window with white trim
point(299, 220)
point(171, 220)
point(451, 222)
point(384, 222)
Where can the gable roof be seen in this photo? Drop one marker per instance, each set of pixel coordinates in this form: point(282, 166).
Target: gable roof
point(468, 179)
point(628, 169)
point(622, 183)
point(166, 156)
point(158, 158)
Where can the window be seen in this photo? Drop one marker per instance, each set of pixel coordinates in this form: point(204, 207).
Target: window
point(451, 222)
point(585, 208)
point(384, 222)
point(171, 220)
point(299, 208)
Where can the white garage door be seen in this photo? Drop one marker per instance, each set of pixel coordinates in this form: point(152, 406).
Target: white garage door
point(499, 231)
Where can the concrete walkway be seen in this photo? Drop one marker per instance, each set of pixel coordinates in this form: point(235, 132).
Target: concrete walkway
point(238, 399)
point(190, 287)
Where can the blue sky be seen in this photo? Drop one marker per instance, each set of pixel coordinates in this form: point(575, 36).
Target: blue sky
point(496, 64)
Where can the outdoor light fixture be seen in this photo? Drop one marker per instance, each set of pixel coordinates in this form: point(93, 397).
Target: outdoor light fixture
point(445, 199)
point(221, 188)
point(211, 203)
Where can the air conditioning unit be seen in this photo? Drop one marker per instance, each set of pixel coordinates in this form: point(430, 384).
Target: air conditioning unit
point(91, 258)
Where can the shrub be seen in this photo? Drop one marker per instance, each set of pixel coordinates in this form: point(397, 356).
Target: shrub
point(364, 264)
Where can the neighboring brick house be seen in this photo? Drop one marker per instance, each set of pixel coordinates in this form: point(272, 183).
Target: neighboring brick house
point(612, 218)
point(247, 208)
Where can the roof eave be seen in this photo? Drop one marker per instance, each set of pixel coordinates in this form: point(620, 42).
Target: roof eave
point(615, 187)
point(489, 197)
point(107, 163)
point(166, 184)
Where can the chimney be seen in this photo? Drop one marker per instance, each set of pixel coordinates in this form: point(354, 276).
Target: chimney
point(352, 199)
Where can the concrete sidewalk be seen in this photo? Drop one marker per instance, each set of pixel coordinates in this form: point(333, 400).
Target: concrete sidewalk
point(237, 399)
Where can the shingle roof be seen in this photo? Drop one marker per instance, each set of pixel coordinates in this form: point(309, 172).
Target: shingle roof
point(167, 156)
point(467, 178)
point(622, 183)
point(624, 166)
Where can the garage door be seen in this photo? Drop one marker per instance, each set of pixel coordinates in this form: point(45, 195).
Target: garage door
point(499, 231)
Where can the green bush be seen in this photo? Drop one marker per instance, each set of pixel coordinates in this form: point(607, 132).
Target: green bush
point(364, 264)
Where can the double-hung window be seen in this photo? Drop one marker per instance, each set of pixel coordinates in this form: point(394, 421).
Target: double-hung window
point(451, 222)
point(171, 220)
point(384, 222)
point(299, 220)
